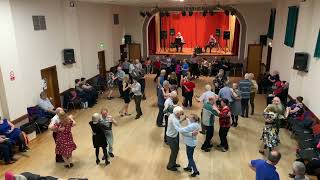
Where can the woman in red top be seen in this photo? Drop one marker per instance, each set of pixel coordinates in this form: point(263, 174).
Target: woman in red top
point(188, 94)
point(224, 121)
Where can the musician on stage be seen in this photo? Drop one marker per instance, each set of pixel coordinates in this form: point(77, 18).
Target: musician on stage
point(179, 41)
point(211, 43)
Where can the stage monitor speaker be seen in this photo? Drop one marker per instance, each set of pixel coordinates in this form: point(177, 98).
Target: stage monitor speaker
point(127, 39)
point(164, 34)
point(263, 40)
point(68, 56)
point(218, 32)
point(172, 32)
point(226, 35)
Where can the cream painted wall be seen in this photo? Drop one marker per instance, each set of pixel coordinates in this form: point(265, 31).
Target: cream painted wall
point(257, 20)
point(12, 92)
point(301, 84)
point(82, 28)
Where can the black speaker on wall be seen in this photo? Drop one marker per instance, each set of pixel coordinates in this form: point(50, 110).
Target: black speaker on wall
point(68, 56)
point(127, 39)
point(263, 40)
point(226, 35)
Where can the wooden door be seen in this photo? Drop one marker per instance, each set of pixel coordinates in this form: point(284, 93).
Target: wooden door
point(254, 59)
point(134, 51)
point(269, 58)
point(49, 75)
point(102, 64)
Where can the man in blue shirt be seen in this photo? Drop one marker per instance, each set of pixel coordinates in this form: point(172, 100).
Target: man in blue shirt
point(265, 169)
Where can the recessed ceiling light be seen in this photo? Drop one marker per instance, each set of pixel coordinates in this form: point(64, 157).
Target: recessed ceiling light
point(181, 0)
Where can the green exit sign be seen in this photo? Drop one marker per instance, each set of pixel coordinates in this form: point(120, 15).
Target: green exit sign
point(102, 46)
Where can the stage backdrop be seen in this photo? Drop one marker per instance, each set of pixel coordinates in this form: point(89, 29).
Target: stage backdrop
point(197, 28)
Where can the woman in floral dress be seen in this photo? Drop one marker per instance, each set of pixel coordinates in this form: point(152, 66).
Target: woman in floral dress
point(65, 144)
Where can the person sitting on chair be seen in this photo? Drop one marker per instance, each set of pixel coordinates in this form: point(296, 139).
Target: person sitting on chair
point(46, 105)
point(211, 43)
point(179, 41)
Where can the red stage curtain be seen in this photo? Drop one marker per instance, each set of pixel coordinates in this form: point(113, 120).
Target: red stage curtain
point(152, 36)
point(195, 29)
point(236, 39)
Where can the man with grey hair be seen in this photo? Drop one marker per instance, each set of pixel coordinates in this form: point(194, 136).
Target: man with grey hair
point(299, 170)
point(173, 136)
point(265, 169)
point(245, 90)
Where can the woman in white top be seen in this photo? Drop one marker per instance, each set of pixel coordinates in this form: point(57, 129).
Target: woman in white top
point(190, 141)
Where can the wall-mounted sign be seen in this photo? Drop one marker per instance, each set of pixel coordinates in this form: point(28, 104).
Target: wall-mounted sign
point(12, 76)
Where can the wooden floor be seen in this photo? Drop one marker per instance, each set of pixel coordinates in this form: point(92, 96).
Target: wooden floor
point(141, 153)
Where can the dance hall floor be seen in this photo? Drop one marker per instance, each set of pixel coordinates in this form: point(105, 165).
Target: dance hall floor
point(140, 153)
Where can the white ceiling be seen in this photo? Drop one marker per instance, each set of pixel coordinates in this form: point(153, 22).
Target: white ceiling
point(163, 3)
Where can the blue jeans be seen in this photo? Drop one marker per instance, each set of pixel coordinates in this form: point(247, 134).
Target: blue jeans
point(191, 164)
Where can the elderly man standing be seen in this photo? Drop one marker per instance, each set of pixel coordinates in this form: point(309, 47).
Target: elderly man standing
point(299, 171)
point(245, 90)
point(137, 72)
point(119, 77)
point(46, 105)
point(209, 110)
point(265, 169)
point(168, 109)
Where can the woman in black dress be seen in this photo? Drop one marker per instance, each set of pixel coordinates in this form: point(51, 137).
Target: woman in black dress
point(98, 138)
point(126, 96)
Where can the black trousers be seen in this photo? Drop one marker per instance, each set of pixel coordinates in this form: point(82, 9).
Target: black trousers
point(6, 150)
point(157, 72)
point(105, 153)
point(165, 127)
point(208, 46)
point(120, 88)
point(160, 115)
point(252, 96)
point(188, 99)
point(137, 100)
point(174, 147)
point(245, 107)
point(58, 156)
point(142, 82)
point(223, 133)
point(209, 135)
point(179, 45)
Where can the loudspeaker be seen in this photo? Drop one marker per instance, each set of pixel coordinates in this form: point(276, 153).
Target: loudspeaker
point(68, 56)
point(172, 32)
point(164, 35)
point(218, 32)
point(226, 35)
point(127, 39)
point(263, 40)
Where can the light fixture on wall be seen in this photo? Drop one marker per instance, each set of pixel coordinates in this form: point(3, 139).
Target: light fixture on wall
point(184, 13)
point(190, 12)
point(148, 14)
point(71, 3)
point(143, 14)
point(204, 13)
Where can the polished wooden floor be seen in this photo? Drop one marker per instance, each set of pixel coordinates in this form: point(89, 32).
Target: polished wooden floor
point(141, 153)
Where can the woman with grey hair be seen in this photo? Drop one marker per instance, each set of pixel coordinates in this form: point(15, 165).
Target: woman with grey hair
point(98, 138)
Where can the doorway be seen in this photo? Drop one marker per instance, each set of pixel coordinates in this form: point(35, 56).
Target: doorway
point(102, 64)
point(50, 77)
point(269, 58)
point(254, 59)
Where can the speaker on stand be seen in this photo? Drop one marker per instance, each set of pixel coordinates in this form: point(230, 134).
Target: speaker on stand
point(226, 37)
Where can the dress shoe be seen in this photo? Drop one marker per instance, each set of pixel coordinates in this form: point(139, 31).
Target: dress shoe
point(111, 154)
point(107, 163)
point(97, 161)
point(71, 165)
point(187, 169)
point(195, 174)
point(172, 169)
point(177, 165)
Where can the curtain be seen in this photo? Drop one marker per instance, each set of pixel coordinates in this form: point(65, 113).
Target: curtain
point(235, 47)
point(195, 29)
point(152, 39)
point(291, 26)
point(232, 24)
point(271, 23)
point(317, 51)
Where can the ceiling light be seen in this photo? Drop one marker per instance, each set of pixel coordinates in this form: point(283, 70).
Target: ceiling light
point(184, 13)
point(181, 0)
point(148, 14)
point(190, 13)
point(142, 14)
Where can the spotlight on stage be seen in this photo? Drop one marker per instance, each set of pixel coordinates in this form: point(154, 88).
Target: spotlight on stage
point(167, 13)
point(148, 14)
point(233, 13)
point(204, 13)
point(184, 13)
point(226, 12)
point(142, 14)
point(190, 13)
point(162, 14)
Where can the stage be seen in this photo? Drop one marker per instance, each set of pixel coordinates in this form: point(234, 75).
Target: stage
point(190, 51)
